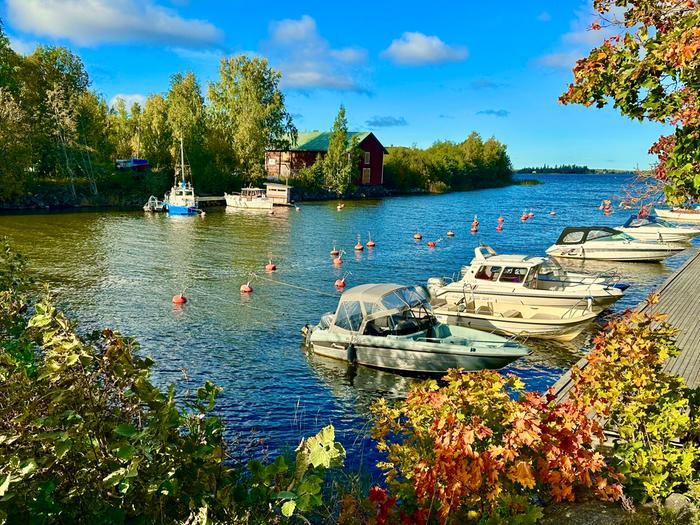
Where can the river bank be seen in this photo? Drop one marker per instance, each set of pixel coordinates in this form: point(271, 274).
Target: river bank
point(132, 193)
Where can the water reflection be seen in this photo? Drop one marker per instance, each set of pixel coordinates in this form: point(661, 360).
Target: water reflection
point(359, 384)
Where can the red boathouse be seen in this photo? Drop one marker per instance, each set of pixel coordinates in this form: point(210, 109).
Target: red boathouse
point(285, 163)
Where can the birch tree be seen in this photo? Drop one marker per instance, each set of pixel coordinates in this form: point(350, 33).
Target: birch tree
point(248, 113)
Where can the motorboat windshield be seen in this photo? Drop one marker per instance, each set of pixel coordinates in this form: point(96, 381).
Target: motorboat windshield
point(581, 235)
point(383, 309)
point(651, 220)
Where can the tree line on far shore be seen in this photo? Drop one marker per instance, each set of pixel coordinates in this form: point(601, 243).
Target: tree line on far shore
point(59, 136)
point(471, 164)
point(55, 130)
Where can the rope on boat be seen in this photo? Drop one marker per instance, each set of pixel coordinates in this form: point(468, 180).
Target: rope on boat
point(240, 303)
point(270, 279)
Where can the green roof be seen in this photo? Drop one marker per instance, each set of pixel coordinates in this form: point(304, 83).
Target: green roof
point(319, 140)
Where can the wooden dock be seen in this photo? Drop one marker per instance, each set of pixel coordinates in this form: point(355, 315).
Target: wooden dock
point(679, 298)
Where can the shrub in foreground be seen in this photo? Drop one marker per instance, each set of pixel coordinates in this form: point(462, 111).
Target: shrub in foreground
point(85, 437)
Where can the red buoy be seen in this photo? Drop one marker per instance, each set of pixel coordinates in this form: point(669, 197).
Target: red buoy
point(431, 244)
point(340, 283)
point(524, 217)
point(371, 244)
point(417, 236)
point(475, 222)
point(530, 215)
point(179, 299)
point(246, 288)
point(450, 233)
point(499, 228)
point(270, 267)
point(500, 218)
point(335, 251)
point(359, 247)
point(337, 261)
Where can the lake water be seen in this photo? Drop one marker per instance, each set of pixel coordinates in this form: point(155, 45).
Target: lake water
point(121, 269)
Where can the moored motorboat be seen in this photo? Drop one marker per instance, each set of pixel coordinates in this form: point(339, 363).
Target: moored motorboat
point(543, 322)
point(255, 198)
point(653, 228)
point(687, 215)
point(181, 199)
point(392, 327)
point(524, 280)
point(608, 244)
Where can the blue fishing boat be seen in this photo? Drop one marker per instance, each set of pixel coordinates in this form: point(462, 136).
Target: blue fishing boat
point(181, 200)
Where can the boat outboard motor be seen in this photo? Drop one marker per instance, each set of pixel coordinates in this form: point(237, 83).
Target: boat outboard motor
point(434, 284)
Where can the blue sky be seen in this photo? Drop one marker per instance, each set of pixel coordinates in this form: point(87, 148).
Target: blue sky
point(412, 72)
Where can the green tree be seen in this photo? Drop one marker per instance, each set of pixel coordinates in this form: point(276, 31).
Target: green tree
point(341, 161)
point(248, 114)
point(51, 80)
point(15, 155)
point(121, 129)
point(9, 63)
point(156, 135)
point(186, 120)
point(650, 70)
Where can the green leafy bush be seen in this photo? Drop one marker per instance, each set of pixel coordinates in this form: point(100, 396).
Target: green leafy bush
point(625, 383)
point(85, 437)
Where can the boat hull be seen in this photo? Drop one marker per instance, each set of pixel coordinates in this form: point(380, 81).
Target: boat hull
point(411, 355)
point(665, 235)
point(180, 210)
point(558, 330)
point(689, 216)
point(539, 298)
point(632, 254)
point(235, 201)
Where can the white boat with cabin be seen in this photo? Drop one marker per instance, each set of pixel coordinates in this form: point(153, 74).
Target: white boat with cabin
point(252, 198)
point(392, 327)
point(524, 280)
point(608, 244)
point(653, 228)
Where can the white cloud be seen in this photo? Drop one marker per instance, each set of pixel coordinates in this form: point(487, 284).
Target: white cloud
point(21, 46)
point(94, 22)
point(308, 61)
point(417, 49)
point(128, 99)
point(580, 39)
point(564, 60)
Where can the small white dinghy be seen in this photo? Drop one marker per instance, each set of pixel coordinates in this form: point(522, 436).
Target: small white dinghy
point(392, 327)
point(608, 244)
point(545, 322)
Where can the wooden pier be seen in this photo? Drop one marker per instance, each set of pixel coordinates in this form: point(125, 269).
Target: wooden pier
point(679, 298)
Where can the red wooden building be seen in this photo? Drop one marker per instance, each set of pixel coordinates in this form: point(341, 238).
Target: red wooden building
point(284, 164)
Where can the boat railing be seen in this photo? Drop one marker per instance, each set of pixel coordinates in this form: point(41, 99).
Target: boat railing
point(468, 287)
point(585, 305)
